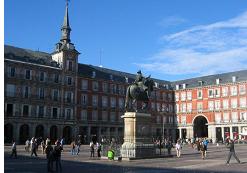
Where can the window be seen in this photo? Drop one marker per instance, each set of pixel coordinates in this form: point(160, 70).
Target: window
point(243, 116)
point(113, 88)
point(158, 119)
point(170, 96)
point(153, 106)
point(55, 94)
point(84, 99)
point(234, 117)
point(26, 92)
point(94, 115)
point(217, 92)
point(199, 107)
point(200, 83)
point(164, 96)
point(41, 93)
point(217, 81)
point(69, 80)
point(11, 71)
point(105, 87)
point(183, 120)
point(157, 95)
point(210, 93)
point(70, 65)
point(84, 115)
point(225, 91)
point(242, 89)
point(226, 117)
point(121, 90)
point(217, 117)
point(84, 85)
point(95, 86)
point(113, 117)
point(41, 76)
point(10, 110)
point(184, 86)
point(163, 107)
point(183, 96)
point(93, 74)
point(211, 105)
point(10, 90)
point(225, 104)
point(233, 79)
point(54, 112)
point(25, 111)
point(113, 102)
point(183, 106)
point(177, 120)
point(217, 104)
point(199, 94)
point(111, 77)
point(56, 78)
point(69, 97)
point(177, 108)
point(104, 101)
point(234, 90)
point(68, 114)
point(177, 87)
point(234, 103)
point(121, 103)
point(158, 107)
point(189, 107)
point(242, 101)
point(41, 111)
point(28, 74)
point(189, 95)
point(176, 97)
point(104, 116)
point(95, 100)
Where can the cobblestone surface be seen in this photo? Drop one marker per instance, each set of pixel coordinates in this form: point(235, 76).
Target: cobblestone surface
point(190, 162)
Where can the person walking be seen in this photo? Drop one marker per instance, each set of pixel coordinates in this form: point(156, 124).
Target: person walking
point(169, 147)
point(178, 148)
point(57, 155)
point(98, 145)
point(202, 149)
point(43, 146)
point(230, 145)
point(13, 148)
point(72, 148)
point(205, 143)
point(91, 145)
point(49, 157)
point(33, 147)
point(27, 145)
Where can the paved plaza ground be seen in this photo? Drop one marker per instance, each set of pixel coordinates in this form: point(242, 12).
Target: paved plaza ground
point(190, 162)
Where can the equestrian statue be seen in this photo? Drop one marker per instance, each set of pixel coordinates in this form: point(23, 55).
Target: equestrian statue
point(140, 90)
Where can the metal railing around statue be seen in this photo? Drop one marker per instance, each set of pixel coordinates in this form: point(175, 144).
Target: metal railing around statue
point(113, 145)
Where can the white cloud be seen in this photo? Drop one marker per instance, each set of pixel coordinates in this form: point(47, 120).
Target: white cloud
point(171, 21)
point(202, 50)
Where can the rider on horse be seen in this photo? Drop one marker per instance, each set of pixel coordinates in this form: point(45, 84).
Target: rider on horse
point(139, 80)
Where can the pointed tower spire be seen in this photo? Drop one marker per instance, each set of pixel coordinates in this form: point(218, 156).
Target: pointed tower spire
point(66, 28)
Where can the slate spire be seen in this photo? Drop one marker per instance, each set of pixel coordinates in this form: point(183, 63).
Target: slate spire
point(66, 28)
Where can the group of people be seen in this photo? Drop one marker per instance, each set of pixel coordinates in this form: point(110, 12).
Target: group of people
point(75, 147)
point(94, 147)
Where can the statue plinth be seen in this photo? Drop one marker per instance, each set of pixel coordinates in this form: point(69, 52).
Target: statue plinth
point(137, 136)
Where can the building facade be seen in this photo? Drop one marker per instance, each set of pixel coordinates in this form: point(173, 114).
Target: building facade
point(52, 95)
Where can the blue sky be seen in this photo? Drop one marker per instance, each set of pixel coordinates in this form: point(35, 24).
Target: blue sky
point(169, 39)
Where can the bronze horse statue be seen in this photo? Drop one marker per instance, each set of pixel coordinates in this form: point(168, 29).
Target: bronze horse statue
point(139, 91)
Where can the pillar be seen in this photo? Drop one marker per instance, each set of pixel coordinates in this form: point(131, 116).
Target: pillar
point(231, 133)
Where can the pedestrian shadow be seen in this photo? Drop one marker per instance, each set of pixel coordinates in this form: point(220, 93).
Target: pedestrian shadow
point(24, 164)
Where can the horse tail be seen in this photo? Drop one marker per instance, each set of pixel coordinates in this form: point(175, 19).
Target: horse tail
point(127, 97)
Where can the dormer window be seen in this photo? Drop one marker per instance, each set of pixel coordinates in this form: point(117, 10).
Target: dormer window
point(126, 80)
point(111, 77)
point(217, 81)
point(233, 78)
point(94, 74)
point(156, 84)
point(184, 86)
point(70, 67)
point(177, 87)
point(200, 83)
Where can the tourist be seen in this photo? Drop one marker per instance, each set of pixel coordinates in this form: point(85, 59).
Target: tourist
point(49, 157)
point(72, 148)
point(205, 143)
point(13, 148)
point(27, 145)
point(202, 149)
point(91, 145)
point(62, 142)
point(230, 145)
point(178, 148)
point(47, 141)
point(98, 145)
point(169, 147)
point(57, 156)
point(43, 146)
point(33, 147)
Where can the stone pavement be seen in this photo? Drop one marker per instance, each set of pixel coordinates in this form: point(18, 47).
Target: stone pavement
point(190, 162)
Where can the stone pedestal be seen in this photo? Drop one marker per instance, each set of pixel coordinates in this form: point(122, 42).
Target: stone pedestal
point(137, 136)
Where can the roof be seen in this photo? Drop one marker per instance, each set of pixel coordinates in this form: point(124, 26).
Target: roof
point(29, 56)
point(211, 79)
